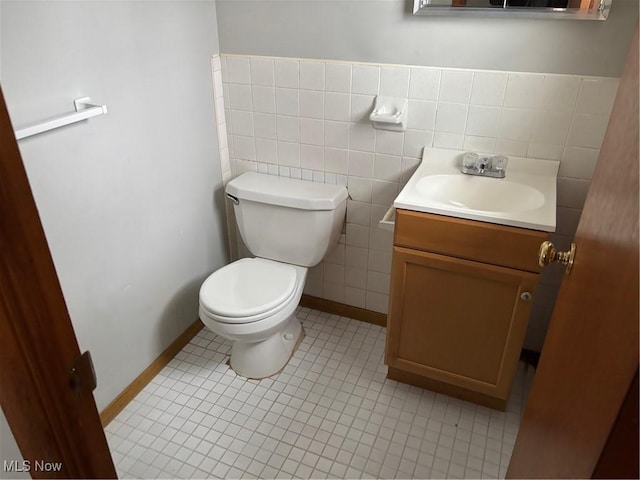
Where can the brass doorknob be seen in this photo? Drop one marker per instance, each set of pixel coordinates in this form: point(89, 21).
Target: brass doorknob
point(548, 254)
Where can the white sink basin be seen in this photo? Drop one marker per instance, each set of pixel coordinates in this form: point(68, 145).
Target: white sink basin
point(480, 193)
point(526, 197)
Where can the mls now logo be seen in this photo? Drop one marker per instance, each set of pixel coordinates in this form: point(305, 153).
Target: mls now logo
point(17, 466)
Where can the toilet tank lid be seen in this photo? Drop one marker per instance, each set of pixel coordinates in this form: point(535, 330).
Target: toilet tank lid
point(286, 192)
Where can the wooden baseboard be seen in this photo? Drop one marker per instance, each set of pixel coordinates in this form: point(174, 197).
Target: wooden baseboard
point(446, 389)
point(343, 310)
point(135, 387)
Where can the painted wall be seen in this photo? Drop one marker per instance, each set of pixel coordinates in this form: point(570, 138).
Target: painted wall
point(384, 31)
point(9, 450)
point(131, 201)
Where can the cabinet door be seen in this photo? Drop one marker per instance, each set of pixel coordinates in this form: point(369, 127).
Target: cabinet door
point(457, 321)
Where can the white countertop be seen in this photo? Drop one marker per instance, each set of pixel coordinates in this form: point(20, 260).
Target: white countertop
point(525, 198)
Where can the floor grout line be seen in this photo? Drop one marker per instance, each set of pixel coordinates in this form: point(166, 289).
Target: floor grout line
point(330, 413)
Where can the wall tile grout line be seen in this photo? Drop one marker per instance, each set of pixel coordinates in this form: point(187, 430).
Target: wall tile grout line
point(553, 116)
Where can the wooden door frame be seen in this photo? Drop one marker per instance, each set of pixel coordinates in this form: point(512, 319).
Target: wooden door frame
point(619, 457)
point(48, 421)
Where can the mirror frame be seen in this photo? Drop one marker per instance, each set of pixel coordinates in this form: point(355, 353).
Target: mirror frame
point(600, 11)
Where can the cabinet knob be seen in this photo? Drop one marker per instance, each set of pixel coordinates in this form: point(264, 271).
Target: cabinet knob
point(526, 296)
point(548, 254)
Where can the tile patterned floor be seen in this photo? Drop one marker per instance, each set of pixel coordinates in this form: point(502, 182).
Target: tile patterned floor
point(331, 413)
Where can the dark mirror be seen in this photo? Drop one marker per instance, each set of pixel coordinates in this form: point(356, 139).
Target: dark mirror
point(566, 9)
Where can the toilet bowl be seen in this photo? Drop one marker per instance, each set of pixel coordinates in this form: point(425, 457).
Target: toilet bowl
point(252, 301)
point(290, 225)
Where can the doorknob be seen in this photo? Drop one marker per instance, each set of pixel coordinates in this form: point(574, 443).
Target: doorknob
point(548, 254)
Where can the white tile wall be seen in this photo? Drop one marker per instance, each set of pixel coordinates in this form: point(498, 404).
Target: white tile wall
point(309, 119)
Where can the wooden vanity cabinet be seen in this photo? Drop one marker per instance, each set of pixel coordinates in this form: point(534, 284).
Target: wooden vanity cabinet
point(461, 295)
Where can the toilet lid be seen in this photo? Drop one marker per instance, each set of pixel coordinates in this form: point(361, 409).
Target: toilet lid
point(247, 287)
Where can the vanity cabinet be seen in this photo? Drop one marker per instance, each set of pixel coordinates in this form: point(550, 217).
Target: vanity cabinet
point(461, 295)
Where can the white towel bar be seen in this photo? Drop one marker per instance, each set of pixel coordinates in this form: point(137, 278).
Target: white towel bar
point(84, 110)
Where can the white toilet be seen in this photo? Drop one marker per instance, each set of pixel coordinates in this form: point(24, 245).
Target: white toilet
point(289, 225)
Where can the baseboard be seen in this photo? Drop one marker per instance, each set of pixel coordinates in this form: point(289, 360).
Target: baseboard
point(135, 387)
point(343, 310)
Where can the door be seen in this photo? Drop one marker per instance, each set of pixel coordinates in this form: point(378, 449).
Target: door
point(51, 411)
point(590, 356)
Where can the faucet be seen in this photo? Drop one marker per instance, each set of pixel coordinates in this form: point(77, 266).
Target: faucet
point(475, 164)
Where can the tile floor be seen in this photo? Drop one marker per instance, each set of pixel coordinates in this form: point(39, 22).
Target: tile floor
point(331, 413)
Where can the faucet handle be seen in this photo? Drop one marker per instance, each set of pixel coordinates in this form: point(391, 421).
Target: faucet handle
point(470, 160)
point(499, 162)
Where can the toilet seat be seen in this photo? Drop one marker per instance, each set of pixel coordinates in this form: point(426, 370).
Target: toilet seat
point(248, 290)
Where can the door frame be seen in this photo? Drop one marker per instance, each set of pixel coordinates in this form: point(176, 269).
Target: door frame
point(52, 425)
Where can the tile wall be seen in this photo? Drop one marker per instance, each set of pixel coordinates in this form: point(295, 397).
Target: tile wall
point(308, 119)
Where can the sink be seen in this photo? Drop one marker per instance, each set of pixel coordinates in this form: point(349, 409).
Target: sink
point(480, 193)
point(526, 197)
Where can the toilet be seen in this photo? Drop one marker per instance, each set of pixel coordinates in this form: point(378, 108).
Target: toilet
point(289, 225)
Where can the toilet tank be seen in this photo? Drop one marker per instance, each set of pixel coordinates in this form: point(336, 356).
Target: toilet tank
point(288, 220)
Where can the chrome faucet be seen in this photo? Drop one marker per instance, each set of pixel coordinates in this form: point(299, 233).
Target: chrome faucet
point(475, 164)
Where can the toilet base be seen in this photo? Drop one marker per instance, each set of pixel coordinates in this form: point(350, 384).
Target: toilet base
point(265, 358)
